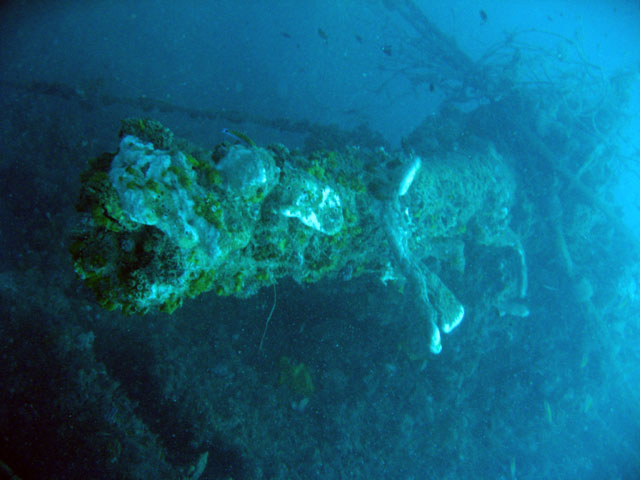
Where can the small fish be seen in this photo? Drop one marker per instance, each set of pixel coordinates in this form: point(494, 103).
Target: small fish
point(387, 50)
point(359, 38)
point(301, 405)
point(286, 35)
point(483, 16)
point(547, 412)
point(431, 87)
point(585, 360)
point(323, 35)
point(239, 136)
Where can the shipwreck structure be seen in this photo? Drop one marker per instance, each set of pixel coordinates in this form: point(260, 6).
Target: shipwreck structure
point(166, 220)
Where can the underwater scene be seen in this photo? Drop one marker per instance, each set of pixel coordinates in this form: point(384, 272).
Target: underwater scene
point(286, 240)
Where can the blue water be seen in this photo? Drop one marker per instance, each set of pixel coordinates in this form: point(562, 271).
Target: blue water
point(86, 393)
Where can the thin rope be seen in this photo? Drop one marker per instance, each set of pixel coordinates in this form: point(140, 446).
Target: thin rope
point(266, 325)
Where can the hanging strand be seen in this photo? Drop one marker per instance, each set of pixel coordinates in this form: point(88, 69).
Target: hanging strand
point(266, 325)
